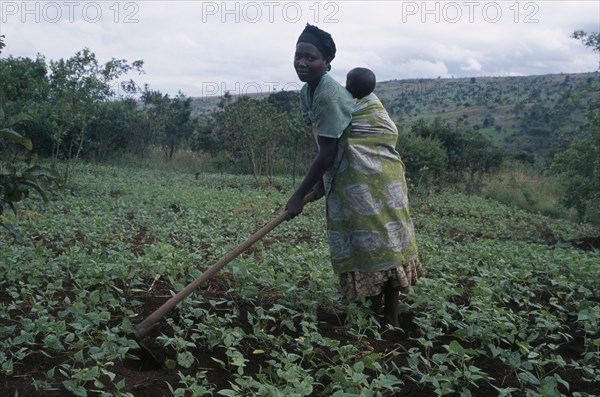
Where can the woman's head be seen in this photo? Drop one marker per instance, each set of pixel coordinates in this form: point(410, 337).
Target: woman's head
point(360, 82)
point(315, 49)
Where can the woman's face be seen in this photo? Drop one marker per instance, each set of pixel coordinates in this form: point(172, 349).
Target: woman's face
point(309, 63)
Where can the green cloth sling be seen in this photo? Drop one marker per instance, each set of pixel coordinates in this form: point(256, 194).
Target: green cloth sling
point(368, 219)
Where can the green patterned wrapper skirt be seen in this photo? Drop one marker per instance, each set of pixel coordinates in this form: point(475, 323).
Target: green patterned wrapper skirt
point(371, 233)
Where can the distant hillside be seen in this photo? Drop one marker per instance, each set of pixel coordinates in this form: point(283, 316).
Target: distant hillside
point(203, 107)
point(532, 114)
point(526, 113)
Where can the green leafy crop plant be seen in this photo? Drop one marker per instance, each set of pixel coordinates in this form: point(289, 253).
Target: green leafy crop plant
point(509, 305)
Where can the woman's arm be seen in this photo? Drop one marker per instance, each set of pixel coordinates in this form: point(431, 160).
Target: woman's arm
point(315, 174)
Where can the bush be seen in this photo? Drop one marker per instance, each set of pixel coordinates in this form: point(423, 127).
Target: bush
point(424, 158)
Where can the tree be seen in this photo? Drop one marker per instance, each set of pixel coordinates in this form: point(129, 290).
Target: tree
point(296, 139)
point(17, 176)
point(470, 155)
point(179, 125)
point(77, 85)
point(579, 167)
point(156, 106)
point(579, 164)
point(285, 101)
point(171, 119)
point(591, 40)
point(24, 94)
point(250, 129)
point(117, 127)
point(483, 159)
point(24, 79)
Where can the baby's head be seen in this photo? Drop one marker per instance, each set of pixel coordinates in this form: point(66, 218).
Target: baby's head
point(360, 82)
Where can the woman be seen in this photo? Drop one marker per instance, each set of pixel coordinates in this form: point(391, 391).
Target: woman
point(371, 237)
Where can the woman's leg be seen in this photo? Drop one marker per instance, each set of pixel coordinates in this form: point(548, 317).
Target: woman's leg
point(392, 303)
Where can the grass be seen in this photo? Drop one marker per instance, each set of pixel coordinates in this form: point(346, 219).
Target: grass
point(525, 187)
point(183, 160)
point(516, 184)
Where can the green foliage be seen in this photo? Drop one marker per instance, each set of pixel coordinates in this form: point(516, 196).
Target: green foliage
point(117, 128)
point(17, 179)
point(256, 133)
point(512, 112)
point(285, 101)
point(262, 137)
point(62, 99)
point(24, 80)
point(171, 124)
point(24, 94)
point(296, 143)
point(469, 154)
point(509, 306)
point(424, 158)
point(527, 187)
point(170, 119)
point(77, 85)
point(588, 39)
point(79, 107)
point(579, 164)
point(179, 126)
point(579, 168)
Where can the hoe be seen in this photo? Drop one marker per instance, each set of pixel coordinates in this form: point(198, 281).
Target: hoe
point(142, 329)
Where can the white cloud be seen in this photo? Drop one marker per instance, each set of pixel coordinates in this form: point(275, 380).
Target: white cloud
point(414, 68)
point(192, 45)
point(472, 65)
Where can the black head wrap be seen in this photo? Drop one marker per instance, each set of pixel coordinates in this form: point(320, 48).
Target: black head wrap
point(320, 39)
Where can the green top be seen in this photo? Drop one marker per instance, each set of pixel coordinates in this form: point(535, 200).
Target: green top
point(328, 109)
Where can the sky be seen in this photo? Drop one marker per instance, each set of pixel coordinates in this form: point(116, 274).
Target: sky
point(204, 48)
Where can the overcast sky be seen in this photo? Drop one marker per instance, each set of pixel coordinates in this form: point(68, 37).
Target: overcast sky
point(204, 48)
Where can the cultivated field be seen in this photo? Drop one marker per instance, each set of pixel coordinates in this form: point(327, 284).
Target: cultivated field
point(510, 305)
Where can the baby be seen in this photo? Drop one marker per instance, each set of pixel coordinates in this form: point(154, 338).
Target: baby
point(360, 82)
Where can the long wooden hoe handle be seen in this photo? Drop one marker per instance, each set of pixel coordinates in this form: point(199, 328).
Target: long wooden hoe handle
point(142, 329)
